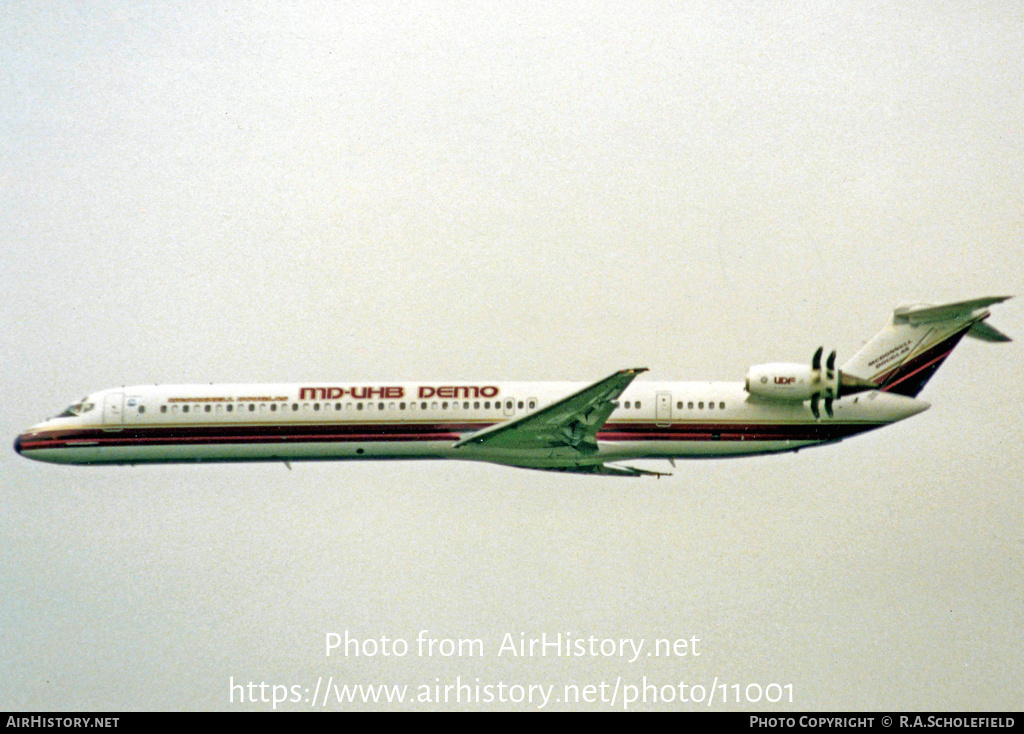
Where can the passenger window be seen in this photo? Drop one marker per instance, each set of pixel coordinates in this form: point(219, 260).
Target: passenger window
point(721, 406)
point(184, 408)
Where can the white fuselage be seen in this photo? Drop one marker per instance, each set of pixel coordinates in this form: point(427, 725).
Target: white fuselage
point(422, 420)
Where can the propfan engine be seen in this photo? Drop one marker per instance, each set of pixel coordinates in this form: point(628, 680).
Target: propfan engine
point(799, 382)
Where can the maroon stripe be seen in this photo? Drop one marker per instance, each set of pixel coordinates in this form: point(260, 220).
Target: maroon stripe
point(30, 445)
point(809, 432)
point(209, 435)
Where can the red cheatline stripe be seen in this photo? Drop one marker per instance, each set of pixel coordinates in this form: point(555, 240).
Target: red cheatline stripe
point(925, 366)
point(948, 344)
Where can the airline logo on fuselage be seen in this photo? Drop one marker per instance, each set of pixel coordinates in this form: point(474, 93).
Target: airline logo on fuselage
point(396, 392)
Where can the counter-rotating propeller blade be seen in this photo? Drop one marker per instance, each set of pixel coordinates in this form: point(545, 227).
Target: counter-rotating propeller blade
point(833, 385)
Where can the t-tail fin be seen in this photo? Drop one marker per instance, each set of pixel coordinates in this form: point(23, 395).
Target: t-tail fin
point(904, 355)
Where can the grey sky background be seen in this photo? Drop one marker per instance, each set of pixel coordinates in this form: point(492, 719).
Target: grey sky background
point(550, 191)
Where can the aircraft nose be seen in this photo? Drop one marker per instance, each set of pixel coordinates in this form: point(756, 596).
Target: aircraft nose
point(17, 445)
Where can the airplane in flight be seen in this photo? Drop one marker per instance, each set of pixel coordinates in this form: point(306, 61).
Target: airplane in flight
point(556, 426)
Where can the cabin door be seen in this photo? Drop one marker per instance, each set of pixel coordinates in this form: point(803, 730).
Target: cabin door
point(113, 411)
point(663, 409)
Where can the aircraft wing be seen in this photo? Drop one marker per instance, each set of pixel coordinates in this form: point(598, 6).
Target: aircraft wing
point(611, 470)
point(571, 422)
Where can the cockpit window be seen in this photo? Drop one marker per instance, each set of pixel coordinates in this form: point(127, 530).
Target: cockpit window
point(82, 406)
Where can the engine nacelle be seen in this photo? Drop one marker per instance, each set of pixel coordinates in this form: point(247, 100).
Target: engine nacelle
point(798, 382)
point(782, 381)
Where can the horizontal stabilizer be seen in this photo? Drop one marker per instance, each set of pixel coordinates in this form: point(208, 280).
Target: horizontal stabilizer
point(987, 333)
point(920, 314)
